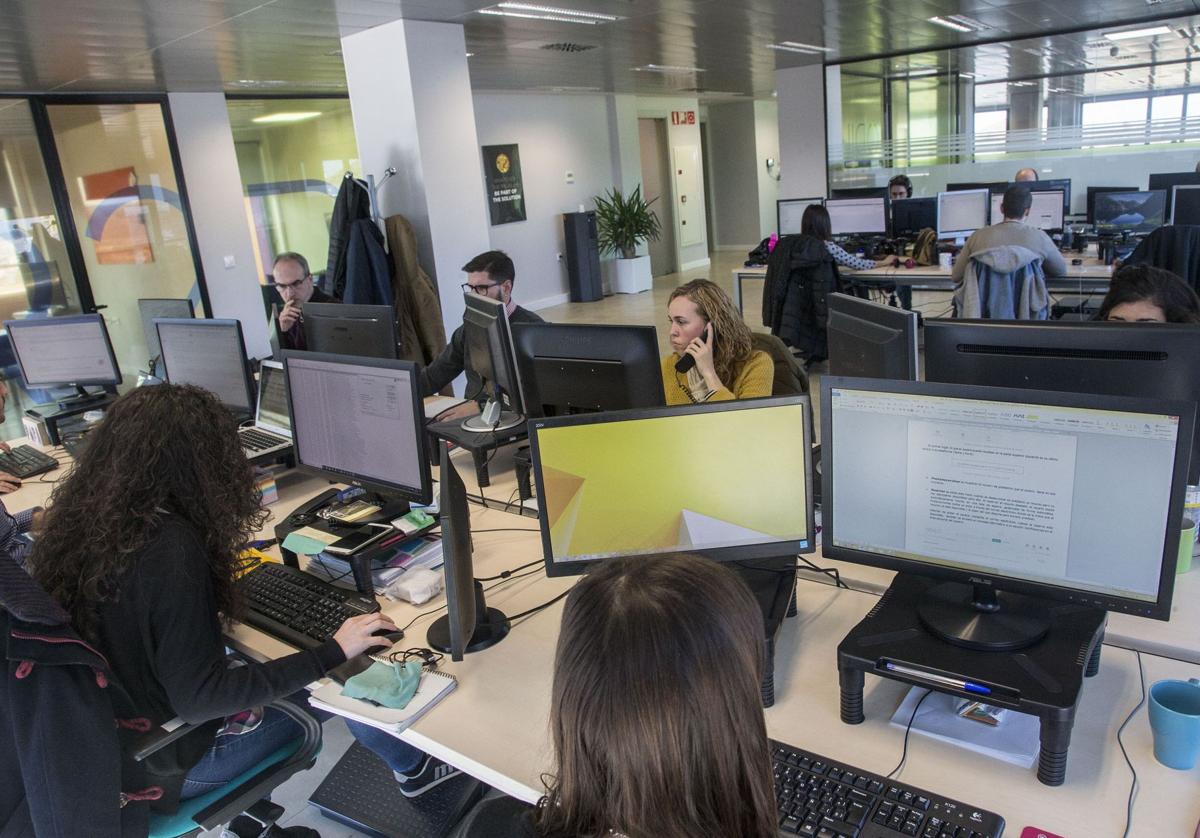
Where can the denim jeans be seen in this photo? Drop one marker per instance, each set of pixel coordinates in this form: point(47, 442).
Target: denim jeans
point(232, 755)
point(400, 756)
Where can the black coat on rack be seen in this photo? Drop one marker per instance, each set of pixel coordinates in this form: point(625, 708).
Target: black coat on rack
point(353, 203)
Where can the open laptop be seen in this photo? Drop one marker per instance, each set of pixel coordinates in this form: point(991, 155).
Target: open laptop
point(272, 428)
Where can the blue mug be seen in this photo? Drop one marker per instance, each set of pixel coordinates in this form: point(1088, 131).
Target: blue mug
point(1175, 722)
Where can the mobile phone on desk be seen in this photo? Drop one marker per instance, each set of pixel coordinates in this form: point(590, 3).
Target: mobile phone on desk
point(357, 539)
point(686, 360)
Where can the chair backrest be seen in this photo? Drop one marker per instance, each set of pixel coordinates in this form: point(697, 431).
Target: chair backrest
point(1175, 248)
point(790, 378)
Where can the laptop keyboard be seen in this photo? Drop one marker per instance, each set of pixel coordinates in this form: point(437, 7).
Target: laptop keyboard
point(254, 439)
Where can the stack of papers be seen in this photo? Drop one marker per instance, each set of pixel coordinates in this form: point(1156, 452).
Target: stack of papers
point(389, 561)
point(1015, 739)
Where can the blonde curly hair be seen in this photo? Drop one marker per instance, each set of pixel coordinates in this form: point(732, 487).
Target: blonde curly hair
point(733, 347)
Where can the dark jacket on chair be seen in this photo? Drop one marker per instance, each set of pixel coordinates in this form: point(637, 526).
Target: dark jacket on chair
point(800, 276)
point(1172, 248)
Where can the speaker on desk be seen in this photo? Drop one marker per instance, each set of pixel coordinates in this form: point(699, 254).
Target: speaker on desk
point(583, 256)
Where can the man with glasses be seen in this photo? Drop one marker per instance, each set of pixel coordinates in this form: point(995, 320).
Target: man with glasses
point(491, 274)
point(295, 285)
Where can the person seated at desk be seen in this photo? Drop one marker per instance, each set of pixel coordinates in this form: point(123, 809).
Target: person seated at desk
point(815, 222)
point(900, 188)
point(15, 529)
point(1142, 294)
point(656, 711)
point(706, 326)
point(140, 546)
point(295, 285)
point(490, 274)
point(1013, 232)
point(1025, 175)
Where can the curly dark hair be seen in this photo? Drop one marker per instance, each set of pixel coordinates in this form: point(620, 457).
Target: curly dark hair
point(163, 449)
point(1134, 283)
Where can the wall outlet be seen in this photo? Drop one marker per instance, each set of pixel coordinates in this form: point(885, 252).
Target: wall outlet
point(230, 262)
point(570, 177)
point(560, 257)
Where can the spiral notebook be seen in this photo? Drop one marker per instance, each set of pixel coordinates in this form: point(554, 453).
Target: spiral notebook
point(434, 687)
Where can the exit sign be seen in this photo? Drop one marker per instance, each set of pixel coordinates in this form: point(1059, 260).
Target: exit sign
point(683, 117)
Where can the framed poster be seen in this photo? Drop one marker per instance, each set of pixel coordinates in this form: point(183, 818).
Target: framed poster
point(506, 193)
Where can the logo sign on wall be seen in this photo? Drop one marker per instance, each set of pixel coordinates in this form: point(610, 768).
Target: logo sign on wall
point(683, 117)
point(506, 193)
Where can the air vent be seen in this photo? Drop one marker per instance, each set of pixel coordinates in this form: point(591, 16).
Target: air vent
point(567, 46)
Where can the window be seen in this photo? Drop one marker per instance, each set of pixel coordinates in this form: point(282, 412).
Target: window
point(1107, 117)
point(990, 130)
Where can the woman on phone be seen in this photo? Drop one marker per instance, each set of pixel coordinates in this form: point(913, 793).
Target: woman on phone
point(712, 359)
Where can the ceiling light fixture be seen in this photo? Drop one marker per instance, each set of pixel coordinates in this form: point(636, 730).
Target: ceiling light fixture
point(798, 45)
point(1138, 33)
point(786, 48)
point(531, 16)
point(668, 68)
point(949, 24)
point(554, 10)
point(285, 116)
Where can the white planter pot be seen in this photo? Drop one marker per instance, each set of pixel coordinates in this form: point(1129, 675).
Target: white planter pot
point(632, 276)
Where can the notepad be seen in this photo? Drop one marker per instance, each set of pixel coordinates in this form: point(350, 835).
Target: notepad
point(434, 687)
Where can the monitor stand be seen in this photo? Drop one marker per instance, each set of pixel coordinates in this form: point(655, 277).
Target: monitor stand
point(491, 626)
point(980, 617)
point(493, 418)
point(81, 399)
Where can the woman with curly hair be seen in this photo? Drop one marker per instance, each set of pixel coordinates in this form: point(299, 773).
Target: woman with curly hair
point(706, 327)
point(140, 546)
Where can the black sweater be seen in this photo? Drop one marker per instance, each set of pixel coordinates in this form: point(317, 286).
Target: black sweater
point(447, 366)
point(162, 637)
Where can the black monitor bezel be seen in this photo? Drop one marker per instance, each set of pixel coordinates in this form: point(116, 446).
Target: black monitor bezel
point(779, 207)
point(1166, 180)
point(720, 554)
point(887, 216)
point(930, 202)
point(210, 323)
point(382, 317)
point(43, 322)
point(501, 330)
point(905, 322)
point(1159, 610)
point(1191, 188)
point(956, 234)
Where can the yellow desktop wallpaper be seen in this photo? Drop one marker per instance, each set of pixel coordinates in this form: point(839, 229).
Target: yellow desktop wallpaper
point(692, 480)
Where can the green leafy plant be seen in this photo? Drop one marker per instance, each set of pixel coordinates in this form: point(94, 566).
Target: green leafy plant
point(625, 222)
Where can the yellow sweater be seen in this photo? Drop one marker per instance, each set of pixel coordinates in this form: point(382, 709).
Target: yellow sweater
point(753, 382)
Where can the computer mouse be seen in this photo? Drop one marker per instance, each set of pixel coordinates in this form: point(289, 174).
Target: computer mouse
point(390, 635)
point(1076, 261)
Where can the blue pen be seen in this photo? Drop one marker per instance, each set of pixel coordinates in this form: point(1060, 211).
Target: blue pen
point(941, 680)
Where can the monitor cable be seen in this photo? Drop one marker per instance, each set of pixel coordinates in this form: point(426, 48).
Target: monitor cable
point(1133, 786)
point(907, 729)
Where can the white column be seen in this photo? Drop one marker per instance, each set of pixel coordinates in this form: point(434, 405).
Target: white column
point(801, 96)
point(410, 94)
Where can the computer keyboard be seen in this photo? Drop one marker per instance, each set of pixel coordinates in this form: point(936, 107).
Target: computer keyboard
point(822, 798)
point(296, 608)
point(26, 461)
point(255, 440)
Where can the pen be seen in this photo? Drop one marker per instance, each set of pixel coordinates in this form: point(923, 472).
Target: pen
point(942, 680)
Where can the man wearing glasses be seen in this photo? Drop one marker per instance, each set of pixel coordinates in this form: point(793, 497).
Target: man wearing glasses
point(491, 274)
point(295, 285)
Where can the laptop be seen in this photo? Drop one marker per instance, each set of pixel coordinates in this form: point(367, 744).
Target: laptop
point(272, 428)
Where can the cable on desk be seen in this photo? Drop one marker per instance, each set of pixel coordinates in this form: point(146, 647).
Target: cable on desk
point(1133, 786)
point(831, 572)
point(404, 629)
point(507, 573)
point(544, 605)
point(907, 730)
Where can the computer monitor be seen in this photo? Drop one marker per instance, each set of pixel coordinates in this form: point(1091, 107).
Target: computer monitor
point(991, 186)
point(210, 354)
point(853, 192)
point(1132, 212)
point(152, 308)
point(1093, 191)
point(468, 625)
point(727, 480)
point(1166, 180)
point(585, 367)
point(489, 354)
point(1045, 211)
point(912, 215)
point(1185, 205)
point(359, 421)
point(1008, 496)
point(1062, 185)
point(858, 216)
point(364, 331)
point(871, 340)
point(273, 412)
point(790, 212)
point(64, 351)
point(959, 214)
point(1145, 360)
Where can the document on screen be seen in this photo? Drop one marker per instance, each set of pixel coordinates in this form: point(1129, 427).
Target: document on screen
point(996, 498)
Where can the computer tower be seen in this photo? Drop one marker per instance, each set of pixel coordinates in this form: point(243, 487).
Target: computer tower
point(583, 256)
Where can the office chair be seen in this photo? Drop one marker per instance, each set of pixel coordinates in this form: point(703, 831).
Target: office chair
point(1175, 248)
point(790, 378)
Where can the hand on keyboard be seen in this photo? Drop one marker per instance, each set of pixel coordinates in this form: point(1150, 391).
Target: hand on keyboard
point(356, 634)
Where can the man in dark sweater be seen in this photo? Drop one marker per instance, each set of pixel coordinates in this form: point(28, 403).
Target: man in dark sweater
point(295, 285)
point(491, 274)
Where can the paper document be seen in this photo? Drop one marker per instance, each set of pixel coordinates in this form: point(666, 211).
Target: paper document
point(1015, 739)
point(440, 404)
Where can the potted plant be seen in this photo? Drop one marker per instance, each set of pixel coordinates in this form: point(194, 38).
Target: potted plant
point(623, 223)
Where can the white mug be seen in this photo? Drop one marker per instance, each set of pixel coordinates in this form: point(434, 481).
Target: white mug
point(946, 260)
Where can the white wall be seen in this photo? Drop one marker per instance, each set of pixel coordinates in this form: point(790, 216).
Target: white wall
point(766, 143)
point(801, 97)
point(735, 186)
point(660, 107)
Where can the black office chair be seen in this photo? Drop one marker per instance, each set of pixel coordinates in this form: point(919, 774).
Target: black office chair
point(1175, 248)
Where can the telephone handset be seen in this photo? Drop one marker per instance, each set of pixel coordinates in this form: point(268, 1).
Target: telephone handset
point(686, 360)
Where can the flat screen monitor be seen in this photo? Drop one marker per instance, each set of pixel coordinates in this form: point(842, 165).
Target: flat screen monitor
point(273, 412)
point(1045, 211)
point(859, 192)
point(632, 483)
point(1185, 205)
point(489, 354)
point(1134, 212)
point(209, 354)
point(586, 368)
point(152, 308)
point(959, 214)
point(790, 212)
point(912, 215)
point(1093, 191)
point(991, 186)
point(359, 421)
point(55, 351)
point(1146, 360)
point(1062, 185)
point(1006, 492)
point(365, 331)
point(858, 216)
point(1166, 180)
point(871, 340)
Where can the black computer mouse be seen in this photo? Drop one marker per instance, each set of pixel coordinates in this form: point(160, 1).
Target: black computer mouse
point(1076, 261)
point(391, 635)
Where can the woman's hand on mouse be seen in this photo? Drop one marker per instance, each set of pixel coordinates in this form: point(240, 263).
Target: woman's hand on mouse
point(356, 635)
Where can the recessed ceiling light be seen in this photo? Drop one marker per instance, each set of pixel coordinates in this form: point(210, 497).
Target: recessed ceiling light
point(285, 116)
point(1138, 33)
point(531, 16)
point(553, 10)
point(786, 48)
point(959, 23)
point(470, 55)
point(668, 68)
point(949, 24)
point(919, 74)
point(798, 45)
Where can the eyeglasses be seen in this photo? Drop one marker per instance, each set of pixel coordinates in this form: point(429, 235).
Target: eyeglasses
point(479, 289)
point(285, 286)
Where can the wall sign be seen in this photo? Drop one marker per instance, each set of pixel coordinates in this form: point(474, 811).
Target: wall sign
point(506, 193)
point(683, 117)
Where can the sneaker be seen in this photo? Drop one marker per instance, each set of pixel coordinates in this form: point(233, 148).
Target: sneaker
point(431, 772)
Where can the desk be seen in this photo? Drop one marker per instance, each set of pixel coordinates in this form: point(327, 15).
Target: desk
point(1092, 276)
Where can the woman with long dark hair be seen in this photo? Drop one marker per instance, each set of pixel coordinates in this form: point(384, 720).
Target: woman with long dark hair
point(657, 711)
point(140, 546)
point(815, 222)
point(1142, 294)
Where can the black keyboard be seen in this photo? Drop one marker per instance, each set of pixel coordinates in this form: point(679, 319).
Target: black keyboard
point(821, 798)
point(255, 441)
point(26, 461)
point(296, 608)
